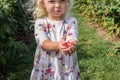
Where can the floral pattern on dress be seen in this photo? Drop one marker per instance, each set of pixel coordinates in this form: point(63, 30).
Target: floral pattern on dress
point(54, 65)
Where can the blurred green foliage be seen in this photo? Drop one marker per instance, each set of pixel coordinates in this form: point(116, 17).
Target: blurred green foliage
point(14, 27)
point(105, 12)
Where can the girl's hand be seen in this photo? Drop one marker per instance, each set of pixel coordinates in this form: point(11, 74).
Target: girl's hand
point(73, 45)
point(64, 47)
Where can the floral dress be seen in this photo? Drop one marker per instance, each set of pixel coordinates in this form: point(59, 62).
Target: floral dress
point(54, 65)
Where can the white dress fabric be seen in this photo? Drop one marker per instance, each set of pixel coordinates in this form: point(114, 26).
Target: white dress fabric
point(54, 65)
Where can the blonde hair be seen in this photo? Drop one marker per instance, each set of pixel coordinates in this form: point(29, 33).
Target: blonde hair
point(36, 7)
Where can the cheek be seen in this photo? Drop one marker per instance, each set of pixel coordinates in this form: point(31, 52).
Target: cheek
point(64, 8)
point(49, 9)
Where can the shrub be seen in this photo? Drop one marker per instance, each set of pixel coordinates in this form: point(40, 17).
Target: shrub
point(105, 12)
point(14, 27)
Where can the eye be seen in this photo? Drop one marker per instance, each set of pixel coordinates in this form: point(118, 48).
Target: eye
point(62, 0)
point(51, 1)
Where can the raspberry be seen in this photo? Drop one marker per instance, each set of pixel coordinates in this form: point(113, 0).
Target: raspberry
point(66, 44)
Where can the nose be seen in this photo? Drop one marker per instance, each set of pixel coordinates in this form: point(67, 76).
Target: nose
point(57, 4)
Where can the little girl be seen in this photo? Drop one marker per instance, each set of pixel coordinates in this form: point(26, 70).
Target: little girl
point(56, 34)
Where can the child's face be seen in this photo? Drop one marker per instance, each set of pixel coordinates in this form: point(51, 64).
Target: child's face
point(55, 8)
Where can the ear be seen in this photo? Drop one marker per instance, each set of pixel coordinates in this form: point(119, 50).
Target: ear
point(40, 3)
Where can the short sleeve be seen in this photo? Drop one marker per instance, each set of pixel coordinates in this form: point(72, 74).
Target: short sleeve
point(39, 31)
point(73, 30)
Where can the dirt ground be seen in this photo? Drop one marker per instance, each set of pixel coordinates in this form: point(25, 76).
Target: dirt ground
point(104, 33)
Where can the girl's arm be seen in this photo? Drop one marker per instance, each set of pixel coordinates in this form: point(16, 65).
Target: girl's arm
point(54, 46)
point(72, 35)
point(50, 45)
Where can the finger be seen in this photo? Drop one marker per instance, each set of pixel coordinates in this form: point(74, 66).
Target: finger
point(73, 49)
point(66, 49)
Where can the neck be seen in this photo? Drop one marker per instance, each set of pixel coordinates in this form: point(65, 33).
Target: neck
point(56, 18)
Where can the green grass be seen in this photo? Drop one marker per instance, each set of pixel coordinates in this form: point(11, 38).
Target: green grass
point(93, 57)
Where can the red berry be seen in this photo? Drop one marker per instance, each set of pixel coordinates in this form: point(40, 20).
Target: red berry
point(66, 44)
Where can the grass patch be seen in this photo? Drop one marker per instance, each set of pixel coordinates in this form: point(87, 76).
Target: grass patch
point(95, 60)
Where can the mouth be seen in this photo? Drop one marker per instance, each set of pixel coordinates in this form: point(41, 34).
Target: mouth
point(58, 11)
